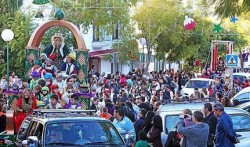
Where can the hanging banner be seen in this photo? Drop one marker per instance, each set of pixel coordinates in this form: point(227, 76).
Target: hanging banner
point(245, 57)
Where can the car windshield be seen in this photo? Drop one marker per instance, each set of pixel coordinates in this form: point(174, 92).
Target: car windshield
point(239, 77)
point(82, 133)
point(197, 84)
point(240, 122)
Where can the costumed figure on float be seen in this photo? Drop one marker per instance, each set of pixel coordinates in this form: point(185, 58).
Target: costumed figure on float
point(69, 67)
point(24, 106)
point(57, 51)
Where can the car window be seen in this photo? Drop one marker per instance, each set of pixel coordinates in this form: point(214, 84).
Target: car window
point(240, 122)
point(239, 77)
point(247, 109)
point(170, 122)
point(197, 84)
point(36, 130)
point(244, 96)
point(22, 132)
point(81, 133)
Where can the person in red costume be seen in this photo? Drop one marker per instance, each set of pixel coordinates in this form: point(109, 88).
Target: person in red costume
point(24, 106)
point(54, 90)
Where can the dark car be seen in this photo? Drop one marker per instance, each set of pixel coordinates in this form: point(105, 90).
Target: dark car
point(59, 128)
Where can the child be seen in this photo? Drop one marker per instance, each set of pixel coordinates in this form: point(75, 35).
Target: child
point(54, 90)
point(142, 139)
point(45, 95)
point(73, 104)
point(53, 103)
point(38, 93)
point(35, 79)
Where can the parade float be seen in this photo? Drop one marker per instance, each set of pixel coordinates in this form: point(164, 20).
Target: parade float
point(33, 53)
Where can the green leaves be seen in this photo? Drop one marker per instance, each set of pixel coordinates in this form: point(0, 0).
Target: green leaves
point(19, 24)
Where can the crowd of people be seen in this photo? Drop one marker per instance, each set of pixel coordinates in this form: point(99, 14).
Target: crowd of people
point(130, 101)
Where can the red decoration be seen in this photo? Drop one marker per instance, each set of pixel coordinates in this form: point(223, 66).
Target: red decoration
point(215, 51)
point(52, 56)
point(197, 63)
point(189, 23)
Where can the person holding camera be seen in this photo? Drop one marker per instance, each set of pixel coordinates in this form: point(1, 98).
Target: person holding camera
point(194, 135)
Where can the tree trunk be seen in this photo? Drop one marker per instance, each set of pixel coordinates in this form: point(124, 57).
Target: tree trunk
point(241, 59)
point(148, 58)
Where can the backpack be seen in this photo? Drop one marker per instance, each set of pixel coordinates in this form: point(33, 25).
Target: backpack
point(129, 113)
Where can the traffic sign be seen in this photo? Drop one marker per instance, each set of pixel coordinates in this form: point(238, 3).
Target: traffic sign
point(232, 60)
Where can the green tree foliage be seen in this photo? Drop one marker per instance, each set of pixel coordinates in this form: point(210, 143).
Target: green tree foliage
point(161, 23)
point(105, 15)
point(228, 8)
point(19, 24)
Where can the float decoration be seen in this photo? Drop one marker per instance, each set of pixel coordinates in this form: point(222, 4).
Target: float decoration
point(234, 19)
point(189, 23)
point(217, 28)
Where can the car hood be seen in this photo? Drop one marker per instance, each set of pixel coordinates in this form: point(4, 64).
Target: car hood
point(244, 139)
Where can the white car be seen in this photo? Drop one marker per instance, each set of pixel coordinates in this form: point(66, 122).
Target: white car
point(240, 76)
point(199, 83)
point(242, 96)
point(170, 116)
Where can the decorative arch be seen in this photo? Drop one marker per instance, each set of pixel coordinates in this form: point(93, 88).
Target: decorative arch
point(37, 35)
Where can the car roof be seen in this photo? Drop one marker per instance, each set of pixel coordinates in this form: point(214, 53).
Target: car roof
point(201, 79)
point(242, 74)
point(48, 115)
point(176, 108)
point(67, 119)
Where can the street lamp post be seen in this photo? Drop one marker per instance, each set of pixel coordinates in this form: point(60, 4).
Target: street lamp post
point(143, 42)
point(7, 36)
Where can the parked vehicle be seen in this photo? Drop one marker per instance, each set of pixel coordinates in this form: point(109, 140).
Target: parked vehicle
point(240, 77)
point(62, 127)
point(244, 106)
point(171, 111)
point(242, 96)
point(199, 83)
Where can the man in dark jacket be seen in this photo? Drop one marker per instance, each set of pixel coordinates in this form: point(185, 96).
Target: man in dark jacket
point(225, 135)
point(140, 122)
point(211, 120)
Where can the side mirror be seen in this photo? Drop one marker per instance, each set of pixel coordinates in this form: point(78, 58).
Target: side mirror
point(32, 141)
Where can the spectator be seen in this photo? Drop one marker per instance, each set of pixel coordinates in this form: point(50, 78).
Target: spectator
point(104, 113)
point(73, 104)
point(225, 101)
point(53, 103)
point(211, 120)
point(148, 121)
point(187, 117)
point(192, 133)
point(123, 124)
point(95, 104)
point(140, 100)
point(140, 122)
point(225, 135)
point(142, 139)
point(154, 135)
